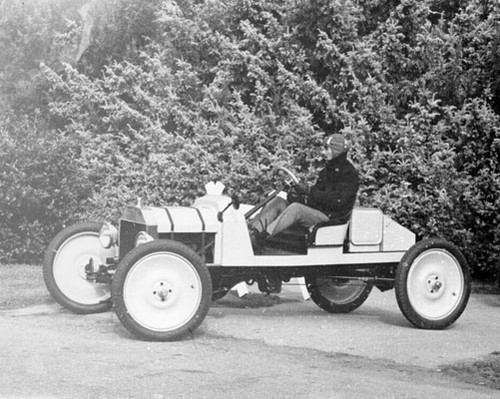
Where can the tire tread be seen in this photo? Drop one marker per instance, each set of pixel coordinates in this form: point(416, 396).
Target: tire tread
point(124, 267)
point(401, 284)
point(48, 271)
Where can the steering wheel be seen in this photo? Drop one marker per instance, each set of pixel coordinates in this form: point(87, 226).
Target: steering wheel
point(293, 179)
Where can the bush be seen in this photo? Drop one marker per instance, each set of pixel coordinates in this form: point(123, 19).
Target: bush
point(159, 128)
point(229, 90)
point(33, 31)
point(41, 187)
point(422, 114)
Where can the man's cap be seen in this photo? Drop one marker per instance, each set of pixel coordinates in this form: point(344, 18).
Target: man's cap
point(337, 144)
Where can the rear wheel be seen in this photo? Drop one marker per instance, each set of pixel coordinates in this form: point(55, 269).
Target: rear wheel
point(161, 291)
point(64, 272)
point(432, 284)
point(338, 295)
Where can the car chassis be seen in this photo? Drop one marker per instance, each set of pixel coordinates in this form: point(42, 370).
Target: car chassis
point(164, 265)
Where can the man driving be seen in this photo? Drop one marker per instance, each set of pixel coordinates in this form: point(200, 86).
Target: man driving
point(332, 197)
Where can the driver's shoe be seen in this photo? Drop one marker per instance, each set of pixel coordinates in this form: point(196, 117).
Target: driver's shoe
point(258, 239)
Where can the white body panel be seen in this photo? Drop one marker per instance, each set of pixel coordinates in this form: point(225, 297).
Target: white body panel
point(372, 231)
point(372, 237)
point(182, 219)
point(331, 235)
point(366, 230)
point(236, 248)
point(396, 237)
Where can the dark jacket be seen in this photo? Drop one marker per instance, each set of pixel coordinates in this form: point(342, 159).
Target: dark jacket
point(335, 190)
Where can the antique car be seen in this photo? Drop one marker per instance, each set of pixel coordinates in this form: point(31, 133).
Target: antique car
point(162, 267)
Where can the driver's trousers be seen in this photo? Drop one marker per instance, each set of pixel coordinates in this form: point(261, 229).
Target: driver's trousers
point(279, 214)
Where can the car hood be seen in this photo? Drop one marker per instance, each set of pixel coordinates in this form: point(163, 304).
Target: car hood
point(178, 219)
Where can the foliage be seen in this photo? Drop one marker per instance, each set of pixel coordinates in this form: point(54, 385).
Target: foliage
point(172, 94)
point(116, 30)
point(425, 125)
point(39, 189)
point(32, 32)
point(163, 126)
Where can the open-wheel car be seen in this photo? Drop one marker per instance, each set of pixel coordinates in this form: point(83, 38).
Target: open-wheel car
point(162, 266)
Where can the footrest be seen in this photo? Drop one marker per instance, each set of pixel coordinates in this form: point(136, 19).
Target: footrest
point(291, 240)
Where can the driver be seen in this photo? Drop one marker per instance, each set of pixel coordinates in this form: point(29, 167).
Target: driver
point(331, 198)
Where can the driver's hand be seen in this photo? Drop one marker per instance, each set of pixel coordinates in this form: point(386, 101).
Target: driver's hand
point(298, 193)
point(301, 188)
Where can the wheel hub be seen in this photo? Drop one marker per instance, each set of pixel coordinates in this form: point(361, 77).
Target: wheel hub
point(87, 264)
point(435, 285)
point(161, 291)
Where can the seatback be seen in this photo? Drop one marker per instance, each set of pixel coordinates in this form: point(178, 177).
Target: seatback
point(330, 234)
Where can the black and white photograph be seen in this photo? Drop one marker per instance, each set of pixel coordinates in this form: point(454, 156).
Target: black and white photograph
point(249, 199)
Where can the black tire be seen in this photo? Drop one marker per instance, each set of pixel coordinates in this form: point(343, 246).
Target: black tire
point(432, 284)
point(63, 269)
point(336, 295)
point(161, 291)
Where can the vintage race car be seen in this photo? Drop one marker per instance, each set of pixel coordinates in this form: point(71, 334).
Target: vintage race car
point(162, 266)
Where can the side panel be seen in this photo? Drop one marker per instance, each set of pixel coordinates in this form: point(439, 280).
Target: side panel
point(331, 235)
point(371, 231)
point(396, 237)
point(235, 245)
point(324, 256)
point(366, 230)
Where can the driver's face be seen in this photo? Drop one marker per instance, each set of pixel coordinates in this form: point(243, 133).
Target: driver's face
point(328, 153)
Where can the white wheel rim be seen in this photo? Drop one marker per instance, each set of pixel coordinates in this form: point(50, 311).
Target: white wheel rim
point(69, 268)
point(435, 284)
point(162, 291)
point(341, 292)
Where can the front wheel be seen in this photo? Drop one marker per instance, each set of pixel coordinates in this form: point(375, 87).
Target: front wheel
point(64, 269)
point(161, 290)
point(338, 295)
point(432, 284)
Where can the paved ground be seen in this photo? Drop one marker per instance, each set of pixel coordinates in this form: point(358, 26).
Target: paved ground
point(377, 330)
point(292, 349)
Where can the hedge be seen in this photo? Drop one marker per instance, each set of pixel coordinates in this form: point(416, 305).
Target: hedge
point(229, 90)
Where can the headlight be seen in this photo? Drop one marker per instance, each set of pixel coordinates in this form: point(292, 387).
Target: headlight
point(142, 238)
point(108, 235)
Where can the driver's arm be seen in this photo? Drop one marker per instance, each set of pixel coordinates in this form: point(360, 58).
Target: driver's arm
point(338, 198)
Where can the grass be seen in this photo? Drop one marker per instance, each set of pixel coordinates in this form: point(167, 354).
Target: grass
point(485, 288)
point(485, 371)
point(22, 286)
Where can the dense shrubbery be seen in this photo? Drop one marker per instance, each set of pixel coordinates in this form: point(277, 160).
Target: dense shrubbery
point(41, 186)
point(228, 90)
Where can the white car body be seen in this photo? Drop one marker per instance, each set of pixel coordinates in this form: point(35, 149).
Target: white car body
point(372, 237)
